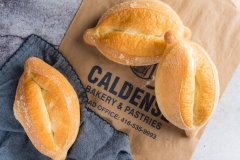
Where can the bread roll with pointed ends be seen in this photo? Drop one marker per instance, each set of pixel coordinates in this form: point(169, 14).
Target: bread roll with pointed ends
point(186, 84)
point(47, 107)
point(131, 33)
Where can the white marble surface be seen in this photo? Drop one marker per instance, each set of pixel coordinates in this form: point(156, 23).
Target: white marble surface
point(50, 19)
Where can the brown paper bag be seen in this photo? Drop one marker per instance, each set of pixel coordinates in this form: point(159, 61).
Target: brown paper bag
point(124, 95)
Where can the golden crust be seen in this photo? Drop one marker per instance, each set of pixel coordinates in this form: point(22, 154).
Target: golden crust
point(131, 33)
point(48, 108)
point(186, 85)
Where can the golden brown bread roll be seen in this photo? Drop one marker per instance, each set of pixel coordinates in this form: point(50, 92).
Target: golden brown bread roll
point(186, 84)
point(48, 108)
point(131, 33)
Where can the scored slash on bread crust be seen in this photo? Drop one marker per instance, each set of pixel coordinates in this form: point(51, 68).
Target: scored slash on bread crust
point(47, 107)
point(131, 33)
point(186, 84)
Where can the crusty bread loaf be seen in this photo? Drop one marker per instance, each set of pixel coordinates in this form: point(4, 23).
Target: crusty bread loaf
point(131, 33)
point(48, 108)
point(186, 84)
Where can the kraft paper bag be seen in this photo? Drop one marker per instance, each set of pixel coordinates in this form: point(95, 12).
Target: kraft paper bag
point(124, 95)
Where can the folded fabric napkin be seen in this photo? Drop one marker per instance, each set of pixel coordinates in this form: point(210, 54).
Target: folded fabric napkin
point(97, 140)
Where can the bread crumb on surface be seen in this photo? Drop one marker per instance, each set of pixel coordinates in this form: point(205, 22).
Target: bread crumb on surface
point(132, 5)
point(18, 103)
point(121, 56)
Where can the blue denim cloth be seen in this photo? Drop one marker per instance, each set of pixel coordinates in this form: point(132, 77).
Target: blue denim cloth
point(97, 140)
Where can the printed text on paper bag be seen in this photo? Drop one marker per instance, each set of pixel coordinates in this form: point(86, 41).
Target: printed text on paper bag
point(136, 96)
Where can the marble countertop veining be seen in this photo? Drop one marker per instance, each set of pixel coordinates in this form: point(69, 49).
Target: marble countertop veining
point(50, 19)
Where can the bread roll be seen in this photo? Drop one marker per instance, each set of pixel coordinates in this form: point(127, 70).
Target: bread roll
point(131, 33)
point(47, 107)
point(186, 84)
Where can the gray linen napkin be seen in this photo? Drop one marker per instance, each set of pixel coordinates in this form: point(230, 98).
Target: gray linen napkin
point(97, 140)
